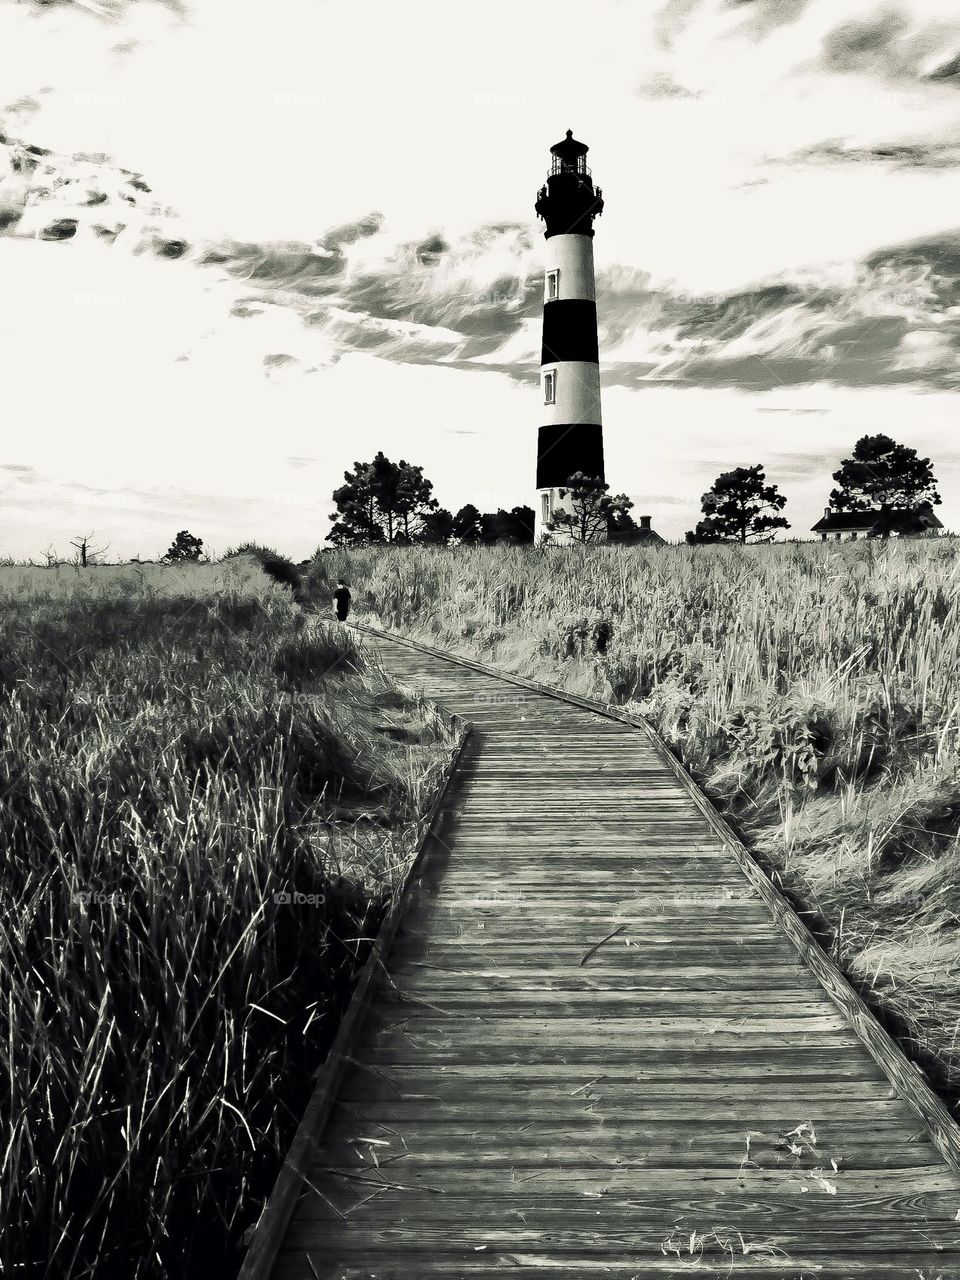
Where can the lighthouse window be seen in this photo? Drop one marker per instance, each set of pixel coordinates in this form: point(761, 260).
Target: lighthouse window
point(545, 506)
point(550, 387)
point(553, 285)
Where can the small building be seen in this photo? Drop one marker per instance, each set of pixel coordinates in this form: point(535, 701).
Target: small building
point(641, 535)
point(847, 525)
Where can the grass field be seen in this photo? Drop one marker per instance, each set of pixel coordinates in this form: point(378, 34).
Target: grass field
point(814, 690)
point(180, 747)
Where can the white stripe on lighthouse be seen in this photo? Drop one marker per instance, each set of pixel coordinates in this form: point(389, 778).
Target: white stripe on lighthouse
point(572, 257)
point(576, 390)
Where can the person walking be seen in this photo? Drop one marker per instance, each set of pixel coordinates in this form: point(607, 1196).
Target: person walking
point(341, 600)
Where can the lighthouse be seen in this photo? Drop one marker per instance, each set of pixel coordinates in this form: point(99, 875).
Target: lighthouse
point(571, 435)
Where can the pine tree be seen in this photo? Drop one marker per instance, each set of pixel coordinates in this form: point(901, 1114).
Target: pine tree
point(740, 507)
point(594, 508)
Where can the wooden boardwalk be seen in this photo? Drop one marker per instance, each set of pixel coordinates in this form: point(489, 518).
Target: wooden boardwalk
point(596, 1054)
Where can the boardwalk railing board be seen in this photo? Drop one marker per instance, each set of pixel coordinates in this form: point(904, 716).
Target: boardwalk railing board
point(275, 1217)
point(904, 1075)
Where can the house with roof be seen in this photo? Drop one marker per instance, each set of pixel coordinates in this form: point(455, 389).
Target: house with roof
point(846, 525)
point(640, 535)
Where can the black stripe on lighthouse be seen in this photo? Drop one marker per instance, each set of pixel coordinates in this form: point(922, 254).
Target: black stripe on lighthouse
point(565, 448)
point(569, 331)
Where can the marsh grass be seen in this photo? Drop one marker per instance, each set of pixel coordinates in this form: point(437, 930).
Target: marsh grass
point(814, 690)
point(205, 804)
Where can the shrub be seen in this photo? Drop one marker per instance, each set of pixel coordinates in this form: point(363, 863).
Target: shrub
point(278, 567)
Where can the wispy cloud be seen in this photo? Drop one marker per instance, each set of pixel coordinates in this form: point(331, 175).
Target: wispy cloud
point(892, 44)
point(435, 299)
point(20, 473)
point(921, 153)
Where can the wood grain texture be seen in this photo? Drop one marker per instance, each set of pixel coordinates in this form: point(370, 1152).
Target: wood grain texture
point(603, 1044)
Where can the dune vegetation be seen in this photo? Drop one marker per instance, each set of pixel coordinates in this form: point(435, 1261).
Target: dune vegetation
point(813, 690)
point(206, 800)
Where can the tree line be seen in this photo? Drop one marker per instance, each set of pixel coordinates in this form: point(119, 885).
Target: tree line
point(393, 503)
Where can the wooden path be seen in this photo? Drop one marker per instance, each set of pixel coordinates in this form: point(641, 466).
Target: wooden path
point(596, 1053)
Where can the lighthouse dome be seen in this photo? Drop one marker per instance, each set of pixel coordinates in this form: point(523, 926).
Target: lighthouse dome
point(569, 149)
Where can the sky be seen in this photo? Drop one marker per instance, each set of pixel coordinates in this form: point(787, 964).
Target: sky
point(305, 232)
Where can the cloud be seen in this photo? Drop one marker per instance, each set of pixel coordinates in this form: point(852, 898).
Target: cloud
point(53, 196)
point(432, 299)
point(661, 84)
point(867, 44)
point(949, 70)
point(472, 302)
point(109, 9)
point(892, 45)
point(761, 17)
point(21, 473)
point(672, 20)
point(921, 153)
point(894, 319)
point(28, 105)
point(276, 363)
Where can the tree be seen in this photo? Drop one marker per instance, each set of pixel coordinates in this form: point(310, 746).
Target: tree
point(436, 527)
point(185, 547)
point(890, 478)
point(86, 554)
point(467, 528)
point(514, 526)
point(621, 522)
point(522, 524)
point(594, 507)
point(740, 507)
point(381, 501)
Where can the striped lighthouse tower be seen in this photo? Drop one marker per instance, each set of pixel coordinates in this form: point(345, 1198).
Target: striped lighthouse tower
point(571, 435)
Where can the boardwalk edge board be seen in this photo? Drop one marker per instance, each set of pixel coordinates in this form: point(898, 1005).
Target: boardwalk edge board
point(906, 1077)
point(271, 1226)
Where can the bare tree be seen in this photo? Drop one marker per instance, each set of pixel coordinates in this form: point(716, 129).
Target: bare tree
point(85, 553)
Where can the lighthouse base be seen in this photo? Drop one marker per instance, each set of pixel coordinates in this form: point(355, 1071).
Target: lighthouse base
point(549, 503)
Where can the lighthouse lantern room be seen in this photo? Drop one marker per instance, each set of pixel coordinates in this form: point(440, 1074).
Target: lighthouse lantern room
point(571, 435)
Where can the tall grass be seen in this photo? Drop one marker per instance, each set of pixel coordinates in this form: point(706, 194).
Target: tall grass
point(181, 754)
point(813, 689)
